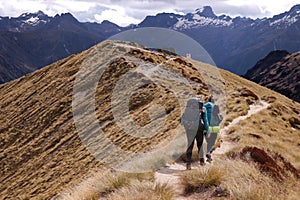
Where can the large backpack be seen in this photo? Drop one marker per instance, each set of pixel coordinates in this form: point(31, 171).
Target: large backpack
point(192, 118)
point(214, 116)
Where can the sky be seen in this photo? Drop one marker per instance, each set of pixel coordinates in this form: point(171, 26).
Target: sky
point(125, 12)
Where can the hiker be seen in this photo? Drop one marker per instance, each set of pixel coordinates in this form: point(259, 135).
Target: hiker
point(195, 122)
point(214, 117)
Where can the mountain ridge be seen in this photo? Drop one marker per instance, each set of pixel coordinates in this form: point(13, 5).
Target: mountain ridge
point(279, 71)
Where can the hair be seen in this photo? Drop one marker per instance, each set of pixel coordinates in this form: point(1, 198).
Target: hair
point(211, 99)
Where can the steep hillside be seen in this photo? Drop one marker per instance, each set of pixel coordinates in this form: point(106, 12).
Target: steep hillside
point(43, 152)
point(279, 71)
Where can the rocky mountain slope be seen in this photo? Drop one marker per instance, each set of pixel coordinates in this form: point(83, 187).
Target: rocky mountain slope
point(43, 152)
point(235, 44)
point(279, 71)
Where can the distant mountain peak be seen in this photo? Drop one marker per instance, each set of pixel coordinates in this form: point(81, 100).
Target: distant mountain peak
point(288, 18)
point(66, 17)
point(36, 14)
point(200, 18)
point(107, 22)
point(295, 8)
point(31, 19)
point(40, 13)
point(206, 11)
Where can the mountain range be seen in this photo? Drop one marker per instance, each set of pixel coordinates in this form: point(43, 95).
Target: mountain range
point(279, 71)
point(235, 44)
point(33, 40)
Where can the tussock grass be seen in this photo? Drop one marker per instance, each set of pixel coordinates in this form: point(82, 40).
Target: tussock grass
point(236, 106)
point(144, 190)
point(202, 178)
point(239, 180)
point(98, 185)
point(273, 133)
point(103, 183)
point(244, 181)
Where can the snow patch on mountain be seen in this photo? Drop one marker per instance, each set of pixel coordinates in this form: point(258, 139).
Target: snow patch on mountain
point(200, 21)
point(285, 21)
point(25, 14)
point(32, 20)
point(199, 10)
point(202, 17)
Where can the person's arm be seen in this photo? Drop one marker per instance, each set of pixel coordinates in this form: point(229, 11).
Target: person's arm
point(206, 124)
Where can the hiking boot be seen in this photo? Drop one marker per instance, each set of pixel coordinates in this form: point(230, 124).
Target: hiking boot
point(188, 166)
point(202, 162)
point(208, 156)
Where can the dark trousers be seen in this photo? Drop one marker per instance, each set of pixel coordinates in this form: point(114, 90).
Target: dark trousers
point(210, 144)
point(192, 135)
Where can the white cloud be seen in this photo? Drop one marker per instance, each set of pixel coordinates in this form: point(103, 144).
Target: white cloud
point(124, 12)
point(116, 15)
point(264, 8)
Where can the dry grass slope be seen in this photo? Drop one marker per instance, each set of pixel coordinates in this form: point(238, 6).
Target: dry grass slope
point(40, 150)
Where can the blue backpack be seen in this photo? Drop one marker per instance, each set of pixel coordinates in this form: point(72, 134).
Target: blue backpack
point(213, 114)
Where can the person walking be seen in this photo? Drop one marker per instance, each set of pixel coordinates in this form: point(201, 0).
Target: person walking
point(195, 122)
point(214, 117)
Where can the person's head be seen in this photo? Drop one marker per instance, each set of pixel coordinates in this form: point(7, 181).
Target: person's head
point(211, 99)
point(200, 102)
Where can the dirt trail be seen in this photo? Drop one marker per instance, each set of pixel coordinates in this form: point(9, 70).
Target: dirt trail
point(170, 173)
point(226, 144)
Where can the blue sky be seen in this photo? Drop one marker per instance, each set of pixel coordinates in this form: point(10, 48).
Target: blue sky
point(125, 12)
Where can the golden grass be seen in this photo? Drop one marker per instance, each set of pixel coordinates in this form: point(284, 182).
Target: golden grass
point(103, 183)
point(41, 153)
point(202, 178)
point(269, 129)
point(40, 150)
point(144, 191)
point(244, 181)
point(239, 180)
point(99, 185)
point(118, 185)
point(269, 133)
point(236, 106)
